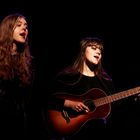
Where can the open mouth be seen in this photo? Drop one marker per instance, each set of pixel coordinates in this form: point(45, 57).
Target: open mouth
point(97, 57)
point(23, 34)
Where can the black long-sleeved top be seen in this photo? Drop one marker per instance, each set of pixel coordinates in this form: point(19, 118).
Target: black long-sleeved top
point(13, 104)
point(72, 85)
point(65, 84)
point(118, 116)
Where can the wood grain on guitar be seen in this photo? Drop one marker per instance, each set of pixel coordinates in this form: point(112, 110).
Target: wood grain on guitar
point(68, 122)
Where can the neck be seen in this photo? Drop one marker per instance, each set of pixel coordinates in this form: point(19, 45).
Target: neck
point(87, 71)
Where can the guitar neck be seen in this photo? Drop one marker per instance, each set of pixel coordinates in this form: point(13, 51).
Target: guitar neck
point(116, 96)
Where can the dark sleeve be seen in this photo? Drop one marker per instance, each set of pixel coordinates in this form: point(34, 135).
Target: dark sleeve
point(3, 102)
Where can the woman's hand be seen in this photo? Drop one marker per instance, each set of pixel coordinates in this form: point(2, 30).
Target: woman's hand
point(76, 105)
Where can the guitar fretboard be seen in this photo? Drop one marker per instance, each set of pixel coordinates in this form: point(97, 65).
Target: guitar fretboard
point(116, 96)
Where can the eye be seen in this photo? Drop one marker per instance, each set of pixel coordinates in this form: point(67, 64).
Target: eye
point(18, 25)
point(93, 47)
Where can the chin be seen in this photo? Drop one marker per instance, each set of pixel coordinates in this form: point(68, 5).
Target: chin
point(21, 41)
point(95, 63)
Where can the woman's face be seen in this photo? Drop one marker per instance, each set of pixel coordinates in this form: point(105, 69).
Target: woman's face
point(20, 31)
point(93, 54)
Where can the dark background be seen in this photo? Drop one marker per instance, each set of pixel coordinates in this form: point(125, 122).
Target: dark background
point(55, 29)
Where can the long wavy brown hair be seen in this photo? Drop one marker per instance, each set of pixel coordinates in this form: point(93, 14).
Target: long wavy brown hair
point(14, 66)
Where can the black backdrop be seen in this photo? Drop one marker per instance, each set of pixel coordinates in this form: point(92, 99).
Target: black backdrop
point(56, 28)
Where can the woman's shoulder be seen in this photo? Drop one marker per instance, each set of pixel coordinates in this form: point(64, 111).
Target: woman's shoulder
point(67, 77)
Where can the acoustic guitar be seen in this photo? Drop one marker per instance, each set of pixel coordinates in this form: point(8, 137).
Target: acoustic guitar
point(68, 122)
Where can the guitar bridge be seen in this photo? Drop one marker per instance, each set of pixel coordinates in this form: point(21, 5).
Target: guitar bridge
point(66, 116)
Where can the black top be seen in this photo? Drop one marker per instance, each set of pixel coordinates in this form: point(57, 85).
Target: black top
point(78, 84)
point(124, 113)
point(13, 103)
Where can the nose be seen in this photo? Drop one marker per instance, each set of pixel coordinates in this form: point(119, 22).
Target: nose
point(24, 28)
point(98, 51)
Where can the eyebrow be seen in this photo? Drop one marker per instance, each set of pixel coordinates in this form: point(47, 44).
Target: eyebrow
point(21, 22)
point(97, 46)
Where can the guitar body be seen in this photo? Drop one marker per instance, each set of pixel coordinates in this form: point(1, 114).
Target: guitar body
point(60, 125)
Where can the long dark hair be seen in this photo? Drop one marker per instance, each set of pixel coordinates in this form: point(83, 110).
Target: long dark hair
point(77, 66)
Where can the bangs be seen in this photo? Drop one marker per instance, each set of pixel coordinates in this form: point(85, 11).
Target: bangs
point(96, 44)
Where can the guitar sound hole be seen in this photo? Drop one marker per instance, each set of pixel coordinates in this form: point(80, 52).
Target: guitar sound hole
point(90, 104)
